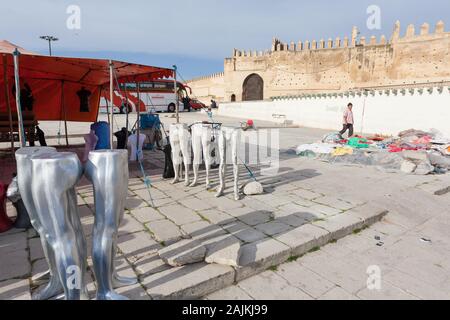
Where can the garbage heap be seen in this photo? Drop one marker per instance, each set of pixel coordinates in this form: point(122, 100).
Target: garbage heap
point(412, 151)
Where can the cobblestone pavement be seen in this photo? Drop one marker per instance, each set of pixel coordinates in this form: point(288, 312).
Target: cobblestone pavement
point(412, 252)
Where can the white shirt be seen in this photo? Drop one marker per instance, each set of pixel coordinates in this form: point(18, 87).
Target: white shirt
point(132, 142)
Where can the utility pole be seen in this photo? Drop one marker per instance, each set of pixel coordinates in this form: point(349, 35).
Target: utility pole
point(49, 39)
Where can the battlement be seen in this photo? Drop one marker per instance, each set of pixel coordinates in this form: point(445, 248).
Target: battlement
point(208, 77)
point(410, 35)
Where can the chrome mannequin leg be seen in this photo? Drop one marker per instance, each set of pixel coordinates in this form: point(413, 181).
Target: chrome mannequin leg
point(54, 179)
point(108, 171)
point(24, 179)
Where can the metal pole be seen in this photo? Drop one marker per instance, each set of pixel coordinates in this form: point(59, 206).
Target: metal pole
point(138, 121)
point(19, 107)
point(176, 92)
point(111, 96)
point(50, 47)
point(8, 102)
point(65, 112)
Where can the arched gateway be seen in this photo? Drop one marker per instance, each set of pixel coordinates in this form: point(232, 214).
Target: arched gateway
point(253, 88)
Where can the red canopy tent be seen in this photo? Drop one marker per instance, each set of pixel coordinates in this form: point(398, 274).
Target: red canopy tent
point(58, 84)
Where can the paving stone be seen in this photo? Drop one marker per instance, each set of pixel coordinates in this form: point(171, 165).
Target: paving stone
point(195, 204)
point(17, 265)
point(229, 293)
point(256, 217)
point(149, 264)
point(291, 208)
point(223, 203)
point(85, 211)
point(15, 289)
point(136, 245)
point(334, 202)
point(253, 204)
point(225, 251)
point(260, 255)
point(157, 203)
point(39, 273)
point(304, 238)
point(36, 251)
point(244, 232)
point(273, 228)
point(269, 285)
point(304, 203)
point(369, 213)
point(146, 214)
point(276, 200)
point(237, 212)
point(189, 282)
point(304, 279)
point(217, 217)
point(414, 286)
point(134, 202)
point(154, 194)
point(340, 225)
point(13, 242)
point(202, 230)
point(293, 220)
point(183, 252)
point(327, 211)
point(338, 293)
point(130, 225)
point(164, 231)
point(306, 194)
point(386, 292)
point(179, 214)
point(133, 292)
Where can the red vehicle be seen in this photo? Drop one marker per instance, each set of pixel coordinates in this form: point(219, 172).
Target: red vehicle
point(196, 105)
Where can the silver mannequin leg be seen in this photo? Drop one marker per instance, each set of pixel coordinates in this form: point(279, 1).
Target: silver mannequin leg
point(24, 179)
point(54, 179)
point(108, 171)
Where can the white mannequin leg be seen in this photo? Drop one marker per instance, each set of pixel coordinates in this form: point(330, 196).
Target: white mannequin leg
point(197, 149)
point(222, 166)
point(176, 149)
point(235, 139)
point(206, 144)
point(185, 144)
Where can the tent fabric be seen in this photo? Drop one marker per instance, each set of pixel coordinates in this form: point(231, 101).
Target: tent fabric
point(66, 88)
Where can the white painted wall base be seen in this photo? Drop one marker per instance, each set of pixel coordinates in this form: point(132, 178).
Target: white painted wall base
point(384, 113)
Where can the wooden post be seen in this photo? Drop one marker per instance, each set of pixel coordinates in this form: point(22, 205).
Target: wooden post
point(8, 102)
point(111, 96)
point(138, 121)
point(63, 106)
point(19, 107)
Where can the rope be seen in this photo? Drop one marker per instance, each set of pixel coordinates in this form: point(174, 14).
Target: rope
point(147, 180)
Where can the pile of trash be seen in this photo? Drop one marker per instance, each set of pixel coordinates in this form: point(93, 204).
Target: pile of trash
point(412, 151)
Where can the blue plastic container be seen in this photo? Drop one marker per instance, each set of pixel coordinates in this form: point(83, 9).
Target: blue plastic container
point(101, 129)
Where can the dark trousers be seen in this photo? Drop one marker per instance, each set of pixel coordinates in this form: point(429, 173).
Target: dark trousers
point(346, 127)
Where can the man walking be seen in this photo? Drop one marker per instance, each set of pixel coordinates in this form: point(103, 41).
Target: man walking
point(348, 121)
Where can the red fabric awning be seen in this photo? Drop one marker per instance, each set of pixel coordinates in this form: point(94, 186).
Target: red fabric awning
point(66, 87)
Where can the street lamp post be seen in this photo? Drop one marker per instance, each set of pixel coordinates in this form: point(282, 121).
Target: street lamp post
point(49, 39)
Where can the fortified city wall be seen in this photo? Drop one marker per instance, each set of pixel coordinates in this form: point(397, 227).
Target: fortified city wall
point(417, 58)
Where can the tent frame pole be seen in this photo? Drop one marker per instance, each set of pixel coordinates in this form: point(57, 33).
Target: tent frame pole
point(176, 93)
point(138, 120)
point(19, 107)
point(63, 105)
point(8, 101)
point(111, 93)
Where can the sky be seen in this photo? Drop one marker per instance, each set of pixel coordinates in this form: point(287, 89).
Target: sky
point(197, 35)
